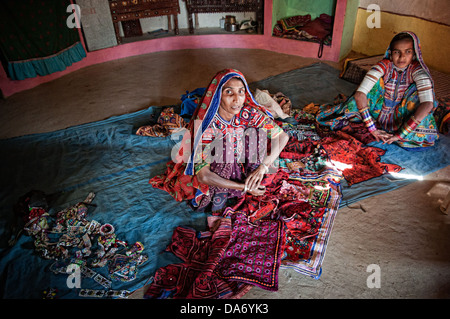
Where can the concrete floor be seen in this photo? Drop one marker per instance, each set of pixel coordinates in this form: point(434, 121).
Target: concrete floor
point(403, 231)
point(127, 85)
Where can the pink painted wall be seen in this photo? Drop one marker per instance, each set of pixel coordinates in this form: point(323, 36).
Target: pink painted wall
point(262, 41)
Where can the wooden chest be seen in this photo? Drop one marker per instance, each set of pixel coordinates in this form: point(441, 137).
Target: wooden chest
point(127, 10)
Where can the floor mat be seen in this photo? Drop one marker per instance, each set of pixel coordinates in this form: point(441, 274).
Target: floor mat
point(105, 158)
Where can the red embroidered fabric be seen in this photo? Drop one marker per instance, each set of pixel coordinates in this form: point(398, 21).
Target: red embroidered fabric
point(364, 161)
point(195, 278)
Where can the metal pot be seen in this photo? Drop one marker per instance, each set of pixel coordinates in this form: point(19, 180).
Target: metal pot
point(232, 27)
point(230, 19)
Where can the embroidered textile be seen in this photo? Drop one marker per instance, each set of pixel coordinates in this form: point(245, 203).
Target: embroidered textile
point(237, 137)
point(254, 253)
point(361, 162)
point(206, 111)
point(217, 197)
point(303, 28)
point(308, 224)
point(303, 132)
point(397, 81)
point(343, 147)
point(168, 122)
point(195, 278)
point(176, 183)
point(301, 231)
point(305, 201)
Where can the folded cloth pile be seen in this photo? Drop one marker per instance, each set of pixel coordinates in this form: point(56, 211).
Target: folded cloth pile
point(168, 123)
point(278, 104)
point(302, 27)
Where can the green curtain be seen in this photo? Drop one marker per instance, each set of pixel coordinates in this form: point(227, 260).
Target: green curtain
point(35, 39)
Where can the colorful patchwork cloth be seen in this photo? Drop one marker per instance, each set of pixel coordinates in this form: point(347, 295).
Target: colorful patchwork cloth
point(359, 162)
point(195, 277)
point(310, 194)
point(308, 229)
point(345, 147)
point(254, 253)
point(305, 200)
point(176, 183)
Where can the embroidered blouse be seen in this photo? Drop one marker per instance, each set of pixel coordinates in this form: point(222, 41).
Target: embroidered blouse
point(396, 81)
point(231, 135)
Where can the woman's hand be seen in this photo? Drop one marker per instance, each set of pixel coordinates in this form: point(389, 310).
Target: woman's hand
point(258, 191)
point(392, 139)
point(205, 176)
point(381, 135)
point(253, 181)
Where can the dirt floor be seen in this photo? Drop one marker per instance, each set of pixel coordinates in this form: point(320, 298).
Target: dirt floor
point(402, 236)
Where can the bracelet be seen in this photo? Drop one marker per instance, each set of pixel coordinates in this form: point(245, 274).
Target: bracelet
point(265, 166)
point(363, 109)
point(415, 120)
point(407, 127)
point(245, 188)
point(367, 119)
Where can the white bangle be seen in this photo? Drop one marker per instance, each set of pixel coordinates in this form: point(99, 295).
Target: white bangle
point(265, 166)
point(245, 188)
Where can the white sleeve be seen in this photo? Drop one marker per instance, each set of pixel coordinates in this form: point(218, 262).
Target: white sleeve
point(371, 78)
point(424, 85)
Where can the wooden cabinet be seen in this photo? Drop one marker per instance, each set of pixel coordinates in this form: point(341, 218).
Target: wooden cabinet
point(214, 6)
point(127, 10)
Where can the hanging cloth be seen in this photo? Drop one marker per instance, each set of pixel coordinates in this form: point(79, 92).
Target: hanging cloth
point(35, 38)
